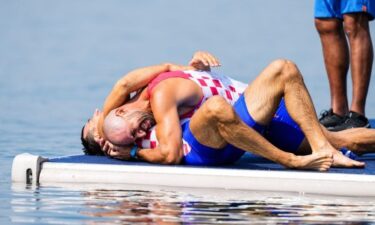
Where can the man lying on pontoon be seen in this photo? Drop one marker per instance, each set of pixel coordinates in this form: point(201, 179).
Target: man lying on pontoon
point(207, 119)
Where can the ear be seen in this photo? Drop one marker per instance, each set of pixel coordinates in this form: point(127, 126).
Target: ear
point(119, 111)
point(140, 133)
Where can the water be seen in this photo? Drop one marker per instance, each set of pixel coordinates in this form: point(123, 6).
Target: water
point(155, 205)
point(59, 59)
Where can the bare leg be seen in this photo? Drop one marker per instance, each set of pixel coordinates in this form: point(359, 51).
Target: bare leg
point(361, 52)
point(359, 140)
point(336, 60)
point(216, 124)
point(283, 79)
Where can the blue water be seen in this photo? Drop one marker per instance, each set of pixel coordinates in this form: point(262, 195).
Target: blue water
point(59, 59)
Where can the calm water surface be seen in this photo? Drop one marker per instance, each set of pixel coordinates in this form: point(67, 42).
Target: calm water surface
point(59, 59)
point(155, 205)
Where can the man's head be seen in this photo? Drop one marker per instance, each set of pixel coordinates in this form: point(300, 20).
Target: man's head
point(89, 136)
point(125, 124)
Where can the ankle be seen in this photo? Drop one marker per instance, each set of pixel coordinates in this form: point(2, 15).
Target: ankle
point(292, 161)
point(358, 112)
point(321, 146)
point(340, 112)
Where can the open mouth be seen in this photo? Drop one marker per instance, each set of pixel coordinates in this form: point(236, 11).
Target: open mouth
point(146, 125)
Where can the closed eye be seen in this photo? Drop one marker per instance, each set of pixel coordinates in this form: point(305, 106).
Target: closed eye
point(133, 133)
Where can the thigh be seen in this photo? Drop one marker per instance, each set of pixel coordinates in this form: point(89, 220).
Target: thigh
point(263, 95)
point(203, 127)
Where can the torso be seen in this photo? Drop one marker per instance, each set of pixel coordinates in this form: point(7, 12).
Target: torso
point(193, 88)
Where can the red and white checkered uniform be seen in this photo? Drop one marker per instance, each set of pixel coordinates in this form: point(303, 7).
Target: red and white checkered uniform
point(211, 84)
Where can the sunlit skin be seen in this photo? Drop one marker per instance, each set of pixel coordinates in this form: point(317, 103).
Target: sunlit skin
point(124, 125)
point(174, 96)
point(133, 82)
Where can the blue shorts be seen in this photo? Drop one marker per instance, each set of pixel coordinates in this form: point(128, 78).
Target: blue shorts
point(283, 132)
point(202, 155)
point(337, 8)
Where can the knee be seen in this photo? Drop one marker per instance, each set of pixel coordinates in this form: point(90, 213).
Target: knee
point(285, 69)
point(324, 26)
point(218, 109)
point(350, 28)
point(354, 24)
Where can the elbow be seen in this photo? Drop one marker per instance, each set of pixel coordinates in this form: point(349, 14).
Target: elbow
point(173, 158)
point(172, 161)
point(167, 66)
point(122, 84)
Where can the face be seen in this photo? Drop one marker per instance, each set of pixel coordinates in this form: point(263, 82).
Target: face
point(129, 124)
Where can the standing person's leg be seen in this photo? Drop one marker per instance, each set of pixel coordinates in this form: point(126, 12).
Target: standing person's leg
point(216, 124)
point(356, 26)
point(283, 79)
point(336, 60)
point(328, 23)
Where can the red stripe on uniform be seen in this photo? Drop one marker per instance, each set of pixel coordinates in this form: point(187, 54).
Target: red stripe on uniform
point(153, 144)
point(232, 88)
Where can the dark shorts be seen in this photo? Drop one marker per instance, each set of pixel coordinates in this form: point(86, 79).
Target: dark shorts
point(337, 8)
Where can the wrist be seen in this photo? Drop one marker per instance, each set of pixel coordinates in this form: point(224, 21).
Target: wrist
point(133, 152)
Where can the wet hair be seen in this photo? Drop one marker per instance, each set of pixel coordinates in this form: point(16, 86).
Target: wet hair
point(90, 147)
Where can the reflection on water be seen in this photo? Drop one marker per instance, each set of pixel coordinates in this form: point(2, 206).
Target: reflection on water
point(128, 206)
point(59, 59)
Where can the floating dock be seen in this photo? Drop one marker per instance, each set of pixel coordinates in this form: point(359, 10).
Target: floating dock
point(249, 173)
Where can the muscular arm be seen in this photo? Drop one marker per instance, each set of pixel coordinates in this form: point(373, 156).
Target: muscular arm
point(131, 82)
point(168, 130)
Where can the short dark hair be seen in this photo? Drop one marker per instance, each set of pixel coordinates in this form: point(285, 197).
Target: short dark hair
point(90, 147)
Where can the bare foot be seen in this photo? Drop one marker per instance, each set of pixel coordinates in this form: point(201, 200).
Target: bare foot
point(340, 160)
point(320, 161)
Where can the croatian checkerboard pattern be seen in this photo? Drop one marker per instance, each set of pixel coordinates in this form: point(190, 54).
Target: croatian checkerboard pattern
point(211, 85)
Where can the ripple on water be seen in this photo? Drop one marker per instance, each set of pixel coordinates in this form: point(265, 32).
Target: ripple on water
point(128, 206)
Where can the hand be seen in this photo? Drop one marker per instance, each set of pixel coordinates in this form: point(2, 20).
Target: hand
point(204, 61)
point(94, 125)
point(117, 152)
